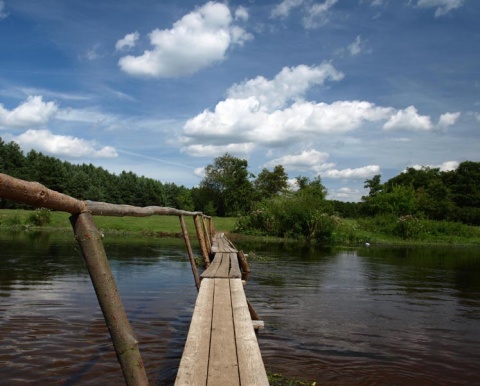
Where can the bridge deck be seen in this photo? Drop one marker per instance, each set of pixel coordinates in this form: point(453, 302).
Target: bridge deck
point(221, 347)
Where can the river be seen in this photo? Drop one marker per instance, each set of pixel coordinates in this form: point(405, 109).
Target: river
point(364, 316)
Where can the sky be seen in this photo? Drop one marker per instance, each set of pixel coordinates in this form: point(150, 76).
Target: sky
point(341, 89)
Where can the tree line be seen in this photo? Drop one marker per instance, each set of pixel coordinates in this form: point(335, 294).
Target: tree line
point(228, 188)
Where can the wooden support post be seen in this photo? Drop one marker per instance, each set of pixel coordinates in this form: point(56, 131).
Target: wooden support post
point(253, 313)
point(121, 332)
point(190, 252)
point(212, 228)
point(207, 237)
point(242, 260)
point(201, 240)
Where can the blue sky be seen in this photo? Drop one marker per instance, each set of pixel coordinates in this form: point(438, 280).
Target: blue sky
point(344, 89)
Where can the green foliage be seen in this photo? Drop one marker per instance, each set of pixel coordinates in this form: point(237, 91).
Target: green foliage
point(408, 227)
point(40, 217)
point(269, 184)
point(227, 182)
point(304, 214)
point(399, 201)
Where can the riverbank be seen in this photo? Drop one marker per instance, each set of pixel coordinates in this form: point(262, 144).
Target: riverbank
point(348, 232)
point(155, 226)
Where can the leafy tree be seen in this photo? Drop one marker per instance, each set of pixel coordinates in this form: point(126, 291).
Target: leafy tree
point(373, 185)
point(399, 201)
point(268, 184)
point(227, 179)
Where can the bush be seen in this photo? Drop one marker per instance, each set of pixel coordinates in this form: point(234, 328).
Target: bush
point(40, 217)
point(408, 227)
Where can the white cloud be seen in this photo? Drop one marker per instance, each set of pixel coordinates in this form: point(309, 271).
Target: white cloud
point(316, 162)
point(273, 113)
point(60, 145)
point(307, 160)
point(33, 112)
point(241, 13)
point(448, 119)
point(408, 119)
point(199, 150)
point(3, 13)
point(318, 14)
point(477, 116)
point(442, 6)
point(356, 47)
point(283, 9)
point(128, 42)
point(444, 167)
point(345, 194)
point(363, 172)
point(197, 40)
point(289, 84)
point(199, 172)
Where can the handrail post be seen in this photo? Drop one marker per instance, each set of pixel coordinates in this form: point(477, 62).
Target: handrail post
point(207, 236)
point(201, 240)
point(121, 332)
point(190, 252)
point(212, 228)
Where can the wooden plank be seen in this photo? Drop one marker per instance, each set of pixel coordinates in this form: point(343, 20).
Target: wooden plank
point(234, 267)
point(193, 368)
point(224, 269)
point(251, 367)
point(223, 364)
point(214, 266)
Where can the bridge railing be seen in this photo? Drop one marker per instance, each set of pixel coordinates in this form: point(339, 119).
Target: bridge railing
point(90, 241)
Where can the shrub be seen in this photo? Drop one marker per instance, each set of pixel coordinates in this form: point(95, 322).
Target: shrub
point(408, 227)
point(40, 217)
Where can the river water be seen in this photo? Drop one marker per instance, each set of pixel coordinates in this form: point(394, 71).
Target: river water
point(366, 316)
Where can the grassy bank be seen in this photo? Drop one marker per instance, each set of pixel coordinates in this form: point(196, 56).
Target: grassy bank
point(346, 232)
point(149, 226)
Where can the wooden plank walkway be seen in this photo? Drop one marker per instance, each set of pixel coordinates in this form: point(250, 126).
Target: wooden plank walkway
point(221, 347)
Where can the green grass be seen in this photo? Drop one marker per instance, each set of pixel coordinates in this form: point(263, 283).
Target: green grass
point(279, 380)
point(154, 225)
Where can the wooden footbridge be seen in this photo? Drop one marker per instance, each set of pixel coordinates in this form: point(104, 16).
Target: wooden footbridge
point(221, 348)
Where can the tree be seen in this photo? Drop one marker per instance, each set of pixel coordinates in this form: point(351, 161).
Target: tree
point(227, 179)
point(373, 185)
point(268, 184)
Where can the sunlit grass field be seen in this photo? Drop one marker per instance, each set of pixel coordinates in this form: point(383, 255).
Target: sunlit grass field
point(154, 225)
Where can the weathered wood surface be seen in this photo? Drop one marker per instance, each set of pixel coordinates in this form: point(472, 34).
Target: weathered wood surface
point(224, 265)
point(221, 347)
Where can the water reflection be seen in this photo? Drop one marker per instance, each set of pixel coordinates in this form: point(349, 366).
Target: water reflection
point(371, 316)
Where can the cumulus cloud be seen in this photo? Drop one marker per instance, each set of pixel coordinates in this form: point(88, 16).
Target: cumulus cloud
point(442, 7)
point(345, 194)
point(60, 145)
point(290, 83)
point(33, 112)
point(444, 167)
point(408, 119)
point(128, 42)
point(363, 172)
point(316, 162)
point(448, 119)
point(307, 160)
point(197, 40)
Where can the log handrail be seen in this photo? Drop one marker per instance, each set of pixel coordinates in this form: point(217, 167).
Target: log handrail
point(93, 252)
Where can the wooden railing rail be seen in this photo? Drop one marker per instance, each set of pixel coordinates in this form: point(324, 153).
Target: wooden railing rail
point(90, 241)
